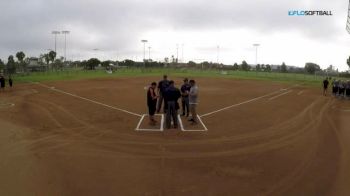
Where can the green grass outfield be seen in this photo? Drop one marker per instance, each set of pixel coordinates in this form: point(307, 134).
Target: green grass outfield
point(191, 73)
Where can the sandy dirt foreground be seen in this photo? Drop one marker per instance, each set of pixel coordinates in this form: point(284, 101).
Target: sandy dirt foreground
point(290, 142)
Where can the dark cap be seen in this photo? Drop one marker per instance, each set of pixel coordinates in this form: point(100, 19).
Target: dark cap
point(186, 80)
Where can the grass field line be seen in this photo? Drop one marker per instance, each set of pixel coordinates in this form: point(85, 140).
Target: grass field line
point(245, 102)
point(86, 99)
point(280, 95)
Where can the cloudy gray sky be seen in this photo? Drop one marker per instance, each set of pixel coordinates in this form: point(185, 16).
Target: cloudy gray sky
point(198, 27)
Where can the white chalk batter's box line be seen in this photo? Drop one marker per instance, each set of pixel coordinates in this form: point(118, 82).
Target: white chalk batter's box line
point(162, 124)
point(187, 130)
point(161, 128)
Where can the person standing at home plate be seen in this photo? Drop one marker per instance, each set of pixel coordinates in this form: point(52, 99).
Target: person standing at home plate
point(172, 95)
point(325, 86)
point(2, 83)
point(348, 89)
point(152, 103)
point(193, 99)
point(185, 89)
point(334, 87)
point(162, 86)
point(10, 81)
point(341, 89)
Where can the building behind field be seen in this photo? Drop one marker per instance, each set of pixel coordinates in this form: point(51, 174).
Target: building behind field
point(34, 64)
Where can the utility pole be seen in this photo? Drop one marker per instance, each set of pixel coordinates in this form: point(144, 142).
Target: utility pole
point(65, 44)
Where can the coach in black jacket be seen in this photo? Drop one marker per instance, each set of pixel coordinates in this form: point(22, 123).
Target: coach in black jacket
point(172, 94)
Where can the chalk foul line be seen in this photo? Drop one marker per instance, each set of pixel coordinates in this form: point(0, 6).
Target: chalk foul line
point(249, 101)
point(275, 97)
point(86, 99)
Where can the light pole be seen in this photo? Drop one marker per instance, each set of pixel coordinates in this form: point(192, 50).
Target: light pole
point(218, 54)
point(65, 44)
point(55, 33)
point(149, 53)
point(256, 53)
point(182, 55)
point(96, 50)
point(177, 53)
point(144, 49)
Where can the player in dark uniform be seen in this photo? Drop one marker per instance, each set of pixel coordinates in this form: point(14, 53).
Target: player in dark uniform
point(325, 86)
point(334, 87)
point(162, 86)
point(172, 94)
point(10, 81)
point(341, 89)
point(152, 103)
point(185, 89)
point(2, 83)
point(348, 89)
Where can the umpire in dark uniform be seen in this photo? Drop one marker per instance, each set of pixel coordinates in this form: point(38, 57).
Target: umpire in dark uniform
point(185, 89)
point(171, 95)
point(2, 83)
point(162, 86)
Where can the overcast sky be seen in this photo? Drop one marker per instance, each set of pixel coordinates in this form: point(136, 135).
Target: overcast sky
point(198, 27)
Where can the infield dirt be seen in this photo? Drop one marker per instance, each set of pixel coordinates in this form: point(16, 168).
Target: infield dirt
point(293, 141)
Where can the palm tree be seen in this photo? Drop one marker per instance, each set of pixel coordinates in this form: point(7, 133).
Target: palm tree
point(20, 56)
point(11, 65)
point(52, 56)
point(2, 65)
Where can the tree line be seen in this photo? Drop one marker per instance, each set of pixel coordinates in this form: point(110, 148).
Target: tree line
point(19, 63)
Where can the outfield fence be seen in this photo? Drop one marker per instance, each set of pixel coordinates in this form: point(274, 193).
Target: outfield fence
point(76, 74)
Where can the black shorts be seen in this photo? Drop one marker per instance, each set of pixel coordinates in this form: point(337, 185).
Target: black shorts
point(348, 92)
point(152, 109)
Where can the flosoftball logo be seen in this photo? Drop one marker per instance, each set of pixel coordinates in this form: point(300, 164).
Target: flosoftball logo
point(309, 13)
